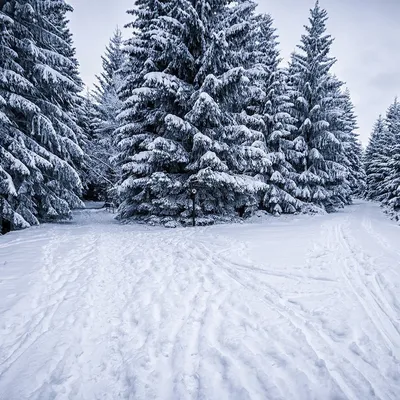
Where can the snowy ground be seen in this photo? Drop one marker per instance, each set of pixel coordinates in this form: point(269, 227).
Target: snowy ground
point(291, 308)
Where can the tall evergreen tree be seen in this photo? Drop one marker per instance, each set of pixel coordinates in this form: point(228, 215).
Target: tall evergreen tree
point(352, 147)
point(268, 100)
point(148, 160)
point(381, 154)
point(183, 122)
point(92, 170)
point(323, 167)
point(376, 160)
point(16, 161)
point(105, 95)
point(40, 90)
point(392, 181)
point(230, 170)
point(102, 108)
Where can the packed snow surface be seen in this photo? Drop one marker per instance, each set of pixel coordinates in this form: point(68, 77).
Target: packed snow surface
point(291, 308)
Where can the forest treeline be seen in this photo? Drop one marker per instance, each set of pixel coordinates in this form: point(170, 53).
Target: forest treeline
point(197, 99)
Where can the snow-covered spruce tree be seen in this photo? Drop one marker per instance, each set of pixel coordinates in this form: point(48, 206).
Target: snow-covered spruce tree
point(376, 160)
point(323, 169)
point(392, 181)
point(17, 163)
point(230, 167)
point(338, 180)
point(268, 100)
point(352, 147)
point(80, 109)
point(105, 105)
point(40, 109)
point(110, 78)
point(92, 170)
point(152, 165)
point(380, 154)
point(142, 49)
point(181, 120)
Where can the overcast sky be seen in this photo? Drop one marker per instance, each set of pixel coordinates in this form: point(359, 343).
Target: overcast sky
point(367, 43)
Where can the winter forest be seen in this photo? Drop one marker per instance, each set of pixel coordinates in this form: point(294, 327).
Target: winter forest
point(197, 98)
point(280, 276)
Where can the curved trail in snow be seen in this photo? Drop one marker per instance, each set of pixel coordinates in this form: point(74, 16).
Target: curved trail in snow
point(290, 308)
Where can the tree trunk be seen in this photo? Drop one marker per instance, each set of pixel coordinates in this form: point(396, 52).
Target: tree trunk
point(5, 226)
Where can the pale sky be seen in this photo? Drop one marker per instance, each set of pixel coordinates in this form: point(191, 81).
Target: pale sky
point(367, 43)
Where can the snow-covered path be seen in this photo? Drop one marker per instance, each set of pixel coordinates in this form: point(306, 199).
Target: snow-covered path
point(291, 308)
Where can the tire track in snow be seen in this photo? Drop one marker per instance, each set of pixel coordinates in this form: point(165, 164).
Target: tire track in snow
point(366, 224)
point(390, 258)
point(137, 302)
point(165, 314)
point(38, 321)
point(196, 356)
point(313, 333)
point(24, 327)
point(373, 303)
point(347, 258)
point(300, 328)
point(350, 259)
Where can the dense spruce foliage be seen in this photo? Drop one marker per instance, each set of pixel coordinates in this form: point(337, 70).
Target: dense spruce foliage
point(99, 118)
point(196, 98)
point(39, 136)
point(382, 161)
point(206, 105)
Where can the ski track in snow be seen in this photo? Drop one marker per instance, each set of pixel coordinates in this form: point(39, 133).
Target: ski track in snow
point(291, 308)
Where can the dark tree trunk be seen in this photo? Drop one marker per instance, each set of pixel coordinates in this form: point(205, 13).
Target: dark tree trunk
point(5, 226)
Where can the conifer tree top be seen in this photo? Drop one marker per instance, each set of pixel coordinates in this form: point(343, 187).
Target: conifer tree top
point(316, 43)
